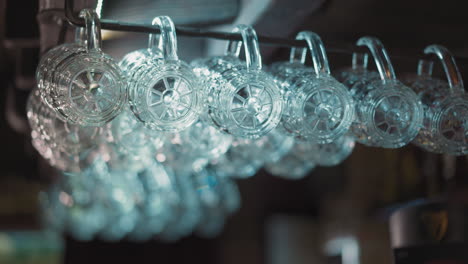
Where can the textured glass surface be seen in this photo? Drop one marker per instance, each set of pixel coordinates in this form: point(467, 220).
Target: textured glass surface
point(445, 116)
point(240, 98)
point(53, 212)
point(81, 196)
point(59, 142)
point(274, 145)
point(121, 191)
point(232, 198)
point(176, 154)
point(90, 89)
point(451, 124)
point(189, 215)
point(134, 60)
point(166, 96)
point(317, 108)
point(332, 154)
point(165, 167)
point(389, 114)
point(242, 160)
point(47, 65)
point(295, 165)
point(160, 202)
point(133, 137)
point(205, 142)
point(210, 193)
point(83, 85)
point(245, 103)
point(164, 92)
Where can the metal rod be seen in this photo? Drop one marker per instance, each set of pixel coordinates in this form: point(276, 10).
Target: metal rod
point(182, 31)
point(109, 24)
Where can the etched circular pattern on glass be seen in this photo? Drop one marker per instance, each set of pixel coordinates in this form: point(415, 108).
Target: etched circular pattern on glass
point(251, 106)
point(73, 139)
point(88, 88)
point(333, 153)
point(170, 98)
point(323, 111)
point(294, 165)
point(91, 91)
point(47, 65)
point(392, 116)
point(56, 140)
point(133, 137)
point(452, 126)
point(125, 134)
point(206, 141)
point(254, 107)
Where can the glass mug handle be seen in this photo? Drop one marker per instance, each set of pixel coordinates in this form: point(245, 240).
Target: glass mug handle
point(425, 67)
point(250, 43)
point(450, 67)
point(166, 42)
point(80, 35)
point(360, 60)
point(93, 30)
point(317, 51)
point(381, 58)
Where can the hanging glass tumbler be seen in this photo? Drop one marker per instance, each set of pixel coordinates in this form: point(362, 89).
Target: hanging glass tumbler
point(88, 88)
point(274, 145)
point(295, 165)
point(132, 61)
point(205, 142)
point(318, 107)
point(57, 141)
point(389, 114)
point(445, 105)
point(165, 96)
point(132, 137)
point(358, 72)
point(242, 160)
point(332, 154)
point(50, 60)
point(241, 99)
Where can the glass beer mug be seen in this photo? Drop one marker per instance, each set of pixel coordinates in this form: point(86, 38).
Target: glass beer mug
point(80, 195)
point(357, 72)
point(205, 142)
point(445, 105)
point(240, 98)
point(120, 193)
point(164, 92)
point(160, 203)
point(86, 87)
point(318, 107)
point(133, 137)
point(242, 160)
point(59, 142)
point(274, 145)
point(332, 154)
point(190, 213)
point(389, 114)
point(50, 60)
point(295, 165)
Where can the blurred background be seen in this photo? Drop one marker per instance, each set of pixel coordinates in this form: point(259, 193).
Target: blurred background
point(335, 215)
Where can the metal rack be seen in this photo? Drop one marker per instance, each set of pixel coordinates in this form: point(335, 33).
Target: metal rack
point(341, 48)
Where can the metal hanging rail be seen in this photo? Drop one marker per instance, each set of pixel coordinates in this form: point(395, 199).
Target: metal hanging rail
point(108, 24)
